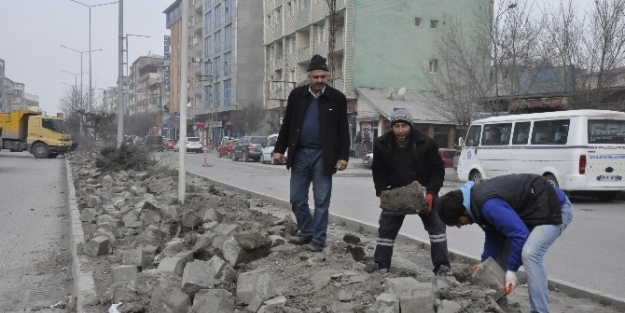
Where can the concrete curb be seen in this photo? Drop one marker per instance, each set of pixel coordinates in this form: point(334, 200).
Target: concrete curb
point(564, 287)
point(84, 286)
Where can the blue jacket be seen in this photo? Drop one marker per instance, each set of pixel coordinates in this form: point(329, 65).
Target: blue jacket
point(504, 223)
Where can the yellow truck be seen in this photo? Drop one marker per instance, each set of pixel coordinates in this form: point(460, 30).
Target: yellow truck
point(30, 130)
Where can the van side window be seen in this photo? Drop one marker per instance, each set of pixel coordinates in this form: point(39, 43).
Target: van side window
point(496, 134)
point(550, 132)
point(521, 133)
point(473, 136)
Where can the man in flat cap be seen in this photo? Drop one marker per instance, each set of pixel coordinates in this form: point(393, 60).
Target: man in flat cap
point(316, 132)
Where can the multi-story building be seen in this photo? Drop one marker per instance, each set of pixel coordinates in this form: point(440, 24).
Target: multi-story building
point(31, 100)
point(145, 73)
point(1, 85)
point(233, 69)
point(13, 95)
point(194, 71)
point(174, 24)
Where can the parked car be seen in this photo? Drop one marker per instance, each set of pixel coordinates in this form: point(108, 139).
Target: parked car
point(170, 144)
point(368, 159)
point(249, 147)
point(448, 156)
point(154, 143)
point(193, 145)
point(226, 147)
point(267, 150)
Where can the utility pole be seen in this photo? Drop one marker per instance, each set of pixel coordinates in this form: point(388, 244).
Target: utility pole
point(120, 76)
point(182, 140)
point(332, 38)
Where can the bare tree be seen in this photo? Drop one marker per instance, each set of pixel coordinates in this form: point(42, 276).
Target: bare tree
point(76, 107)
point(250, 118)
point(593, 46)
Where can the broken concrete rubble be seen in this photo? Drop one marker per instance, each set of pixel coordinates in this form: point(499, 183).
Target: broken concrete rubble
point(180, 266)
point(96, 247)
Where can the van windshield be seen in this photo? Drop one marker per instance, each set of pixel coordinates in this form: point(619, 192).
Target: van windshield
point(606, 131)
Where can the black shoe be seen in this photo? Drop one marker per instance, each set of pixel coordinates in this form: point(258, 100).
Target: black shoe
point(299, 240)
point(376, 267)
point(313, 247)
point(443, 270)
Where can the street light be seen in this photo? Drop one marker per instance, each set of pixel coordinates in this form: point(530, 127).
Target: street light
point(495, 39)
point(126, 37)
point(75, 77)
point(91, 6)
point(81, 72)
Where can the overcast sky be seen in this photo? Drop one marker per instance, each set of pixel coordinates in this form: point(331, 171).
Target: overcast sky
point(32, 32)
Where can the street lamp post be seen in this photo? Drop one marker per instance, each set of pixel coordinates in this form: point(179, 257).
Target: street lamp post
point(495, 38)
point(81, 72)
point(91, 6)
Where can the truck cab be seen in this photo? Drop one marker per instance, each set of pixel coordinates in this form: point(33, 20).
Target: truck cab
point(30, 130)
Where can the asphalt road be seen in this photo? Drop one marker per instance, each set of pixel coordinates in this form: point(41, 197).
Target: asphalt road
point(590, 253)
point(35, 262)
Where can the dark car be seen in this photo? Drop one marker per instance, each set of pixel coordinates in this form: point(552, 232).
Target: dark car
point(225, 149)
point(154, 142)
point(448, 156)
point(249, 147)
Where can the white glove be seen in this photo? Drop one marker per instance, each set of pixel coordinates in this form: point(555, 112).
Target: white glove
point(510, 282)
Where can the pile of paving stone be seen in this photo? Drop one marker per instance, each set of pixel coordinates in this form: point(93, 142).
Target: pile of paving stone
point(223, 251)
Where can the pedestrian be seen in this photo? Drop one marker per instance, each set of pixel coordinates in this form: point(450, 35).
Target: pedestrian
point(401, 156)
point(357, 144)
point(316, 132)
point(521, 215)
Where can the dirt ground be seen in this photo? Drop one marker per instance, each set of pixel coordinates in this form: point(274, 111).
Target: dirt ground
point(330, 281)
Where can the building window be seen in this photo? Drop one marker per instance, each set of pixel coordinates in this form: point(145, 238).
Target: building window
point(227, 11)
point(418, 21)
point(217, 15)
point(217, 41)
point(320, 34)
point(227, 91)
point(228, 36)
point(207, 5)
point(226, 64)
point(433, 66)
point(217, 95)
point(207, 22)
point(433, 23)
point(217, 67)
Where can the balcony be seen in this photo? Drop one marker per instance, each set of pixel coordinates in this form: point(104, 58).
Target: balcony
point(340, 41)
point(320, 48)
point(279, 62)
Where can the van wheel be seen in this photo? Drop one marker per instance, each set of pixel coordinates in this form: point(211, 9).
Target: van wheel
point(606, 196)
point(552, 180)
point(233, 157)
point(476, 176)
point(40, 150)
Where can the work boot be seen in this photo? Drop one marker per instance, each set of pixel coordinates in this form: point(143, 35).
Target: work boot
point(313, 247)
point(376, 267)
point(442, 271)
point(299, 240)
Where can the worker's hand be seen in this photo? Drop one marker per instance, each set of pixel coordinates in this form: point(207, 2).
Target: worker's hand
point(341, 165)
point(429, 199)
point(510, 282)
point(279, 157)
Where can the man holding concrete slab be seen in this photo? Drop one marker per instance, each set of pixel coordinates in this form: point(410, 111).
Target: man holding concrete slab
point(522, 215)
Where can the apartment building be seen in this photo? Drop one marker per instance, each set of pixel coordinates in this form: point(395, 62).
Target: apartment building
point(1, 85)
point(143, 96)
point(379, 47)
point(233, 68)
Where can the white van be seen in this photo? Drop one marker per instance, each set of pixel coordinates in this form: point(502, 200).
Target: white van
point(577, 150)
point(267, 155)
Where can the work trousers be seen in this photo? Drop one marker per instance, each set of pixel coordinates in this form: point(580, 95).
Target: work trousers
point(389, 228)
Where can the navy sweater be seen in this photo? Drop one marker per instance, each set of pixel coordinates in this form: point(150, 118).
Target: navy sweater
point(311, 132)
